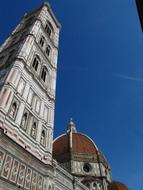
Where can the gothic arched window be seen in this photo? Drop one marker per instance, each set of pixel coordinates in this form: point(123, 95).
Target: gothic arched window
point(13, 109)
point(49, 28)
point(36, 62)
point(42, 41)
point(43, 137)
point(24, 120)
point(44, 74)
point(48, 50)
point(34, 129)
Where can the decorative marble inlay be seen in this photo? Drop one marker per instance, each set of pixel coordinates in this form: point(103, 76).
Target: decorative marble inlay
point(14, 172)
point(40, 182)
point(21, 174)
point(28, 178)
point(34, 180)
point(7, 167)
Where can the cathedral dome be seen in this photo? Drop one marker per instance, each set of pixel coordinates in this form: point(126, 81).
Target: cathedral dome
point(80, 144)
point(76, 146)
point(78, 154)
point(117, 186)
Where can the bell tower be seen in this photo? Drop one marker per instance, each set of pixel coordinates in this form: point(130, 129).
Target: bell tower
point(28, 65)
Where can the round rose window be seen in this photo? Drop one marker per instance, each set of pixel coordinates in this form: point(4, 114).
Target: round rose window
point(87, 167)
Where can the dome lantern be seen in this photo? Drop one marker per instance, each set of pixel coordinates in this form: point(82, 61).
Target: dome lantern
point(71, 127)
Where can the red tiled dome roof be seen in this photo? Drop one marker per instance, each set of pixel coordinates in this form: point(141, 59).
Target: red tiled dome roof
point(61, 145)
point(117, 186)
point(61, 151)
point(76, 146)
point(80, 144)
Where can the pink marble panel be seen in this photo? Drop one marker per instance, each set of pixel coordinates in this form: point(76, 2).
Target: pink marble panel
point(45, 184)
point(28, 178)
point(34, 180)
point(21, 176)
point(7, 166)
point(14, 171)
point(40, 182)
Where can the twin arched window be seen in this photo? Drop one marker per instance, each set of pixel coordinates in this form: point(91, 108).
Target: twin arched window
point(48, 50)
point(36, 62)
point(29, 124)
point(42, 41)
point(44, 70)
point(49, 28)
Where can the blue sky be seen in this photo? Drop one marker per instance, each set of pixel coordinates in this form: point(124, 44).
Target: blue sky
point(100, 76)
